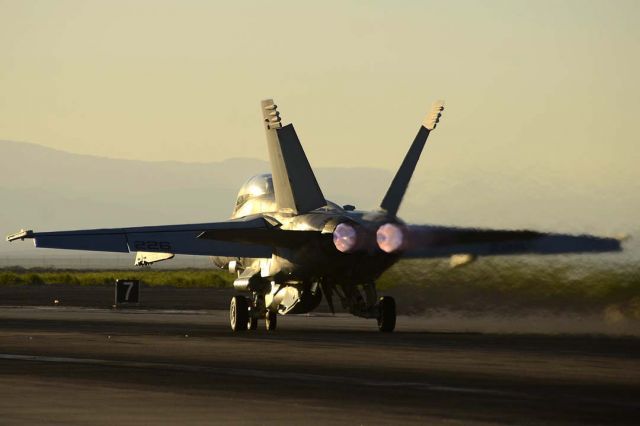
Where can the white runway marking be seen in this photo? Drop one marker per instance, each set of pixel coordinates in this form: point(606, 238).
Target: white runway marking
point(262, 374)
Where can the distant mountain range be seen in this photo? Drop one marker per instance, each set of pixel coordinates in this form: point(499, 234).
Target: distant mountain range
point(46, 189)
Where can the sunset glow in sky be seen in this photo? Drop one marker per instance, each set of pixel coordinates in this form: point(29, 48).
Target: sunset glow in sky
point(174, 80)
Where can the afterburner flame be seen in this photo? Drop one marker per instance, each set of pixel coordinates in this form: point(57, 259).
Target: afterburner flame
point(390, 237)
point(345, 237)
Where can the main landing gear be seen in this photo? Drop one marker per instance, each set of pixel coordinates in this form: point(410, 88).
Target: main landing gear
point(363, 301)
point(244, 314)
point(239, 313)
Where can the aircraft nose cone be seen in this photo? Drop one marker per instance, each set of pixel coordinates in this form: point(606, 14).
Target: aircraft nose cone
point(390, 237)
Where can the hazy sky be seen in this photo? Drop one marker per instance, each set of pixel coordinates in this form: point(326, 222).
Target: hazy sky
point(527, 83)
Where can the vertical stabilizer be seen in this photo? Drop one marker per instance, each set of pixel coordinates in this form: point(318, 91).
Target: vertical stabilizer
point(296, 188)
point(395, 193)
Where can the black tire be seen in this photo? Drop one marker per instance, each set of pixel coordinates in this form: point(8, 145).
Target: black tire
point(271, 320)
point(386, 314)
point(238, 313)
point(252, 324)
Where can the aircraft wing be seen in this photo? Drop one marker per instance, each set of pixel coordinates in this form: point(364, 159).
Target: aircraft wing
point(436, 241)
point(176, 239)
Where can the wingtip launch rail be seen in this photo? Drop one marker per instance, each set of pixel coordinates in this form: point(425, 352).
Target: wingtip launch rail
point(20, 235)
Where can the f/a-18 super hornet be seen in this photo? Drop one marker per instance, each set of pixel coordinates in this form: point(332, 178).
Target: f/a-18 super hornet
point(289, 246)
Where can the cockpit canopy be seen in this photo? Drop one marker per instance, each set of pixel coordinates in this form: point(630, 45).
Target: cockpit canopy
point(258, 196)
point(256, 186)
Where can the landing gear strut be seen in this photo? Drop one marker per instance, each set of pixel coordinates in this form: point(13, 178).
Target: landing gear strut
point(386, 314)
point(253, 323)
point(271, 320)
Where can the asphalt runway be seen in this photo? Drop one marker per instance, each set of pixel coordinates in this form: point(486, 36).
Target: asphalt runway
point(79, 366)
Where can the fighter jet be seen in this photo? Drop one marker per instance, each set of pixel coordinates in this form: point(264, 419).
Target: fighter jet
point(288, 245)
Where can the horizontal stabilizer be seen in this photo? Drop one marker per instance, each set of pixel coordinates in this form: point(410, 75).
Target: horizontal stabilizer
point(435, 241)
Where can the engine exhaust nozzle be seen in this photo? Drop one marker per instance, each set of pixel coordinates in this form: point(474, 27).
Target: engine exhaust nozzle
point(345, 237)
point(390, 237)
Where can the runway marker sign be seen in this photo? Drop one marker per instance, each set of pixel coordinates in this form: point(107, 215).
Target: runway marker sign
point(127, 292)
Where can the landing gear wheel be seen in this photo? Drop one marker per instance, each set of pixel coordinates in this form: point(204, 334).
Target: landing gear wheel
point(271, 320)
point(386, 314)
point(253, 323)
point(238, 313)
